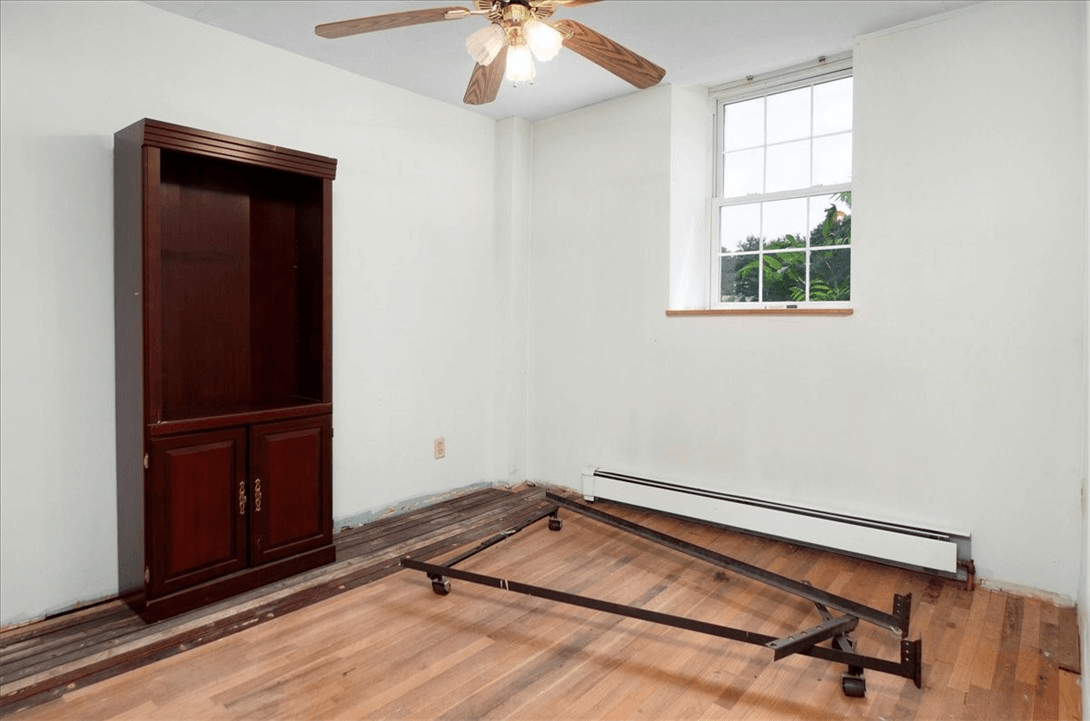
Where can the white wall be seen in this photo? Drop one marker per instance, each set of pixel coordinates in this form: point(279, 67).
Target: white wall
point(692, 121)
point(600, 345)
point(414, 270)
point(1084, 578)
point(512, 257)
point(950, 398)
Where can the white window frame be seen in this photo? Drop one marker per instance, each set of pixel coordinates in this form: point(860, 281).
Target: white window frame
point(825, 70)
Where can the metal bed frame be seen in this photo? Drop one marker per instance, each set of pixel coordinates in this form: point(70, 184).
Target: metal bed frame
point(803, 642)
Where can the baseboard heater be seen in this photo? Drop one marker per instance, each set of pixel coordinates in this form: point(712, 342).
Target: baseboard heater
point(943, 552)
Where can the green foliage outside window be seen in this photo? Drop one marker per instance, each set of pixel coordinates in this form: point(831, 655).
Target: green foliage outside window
point(785, 272)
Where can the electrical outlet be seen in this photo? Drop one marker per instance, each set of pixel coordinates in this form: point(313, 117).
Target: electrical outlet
point(440, 448)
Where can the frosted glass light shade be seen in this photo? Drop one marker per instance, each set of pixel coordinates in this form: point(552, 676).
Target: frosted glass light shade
point(520, 65)
point(485, 44)
point(544, 40)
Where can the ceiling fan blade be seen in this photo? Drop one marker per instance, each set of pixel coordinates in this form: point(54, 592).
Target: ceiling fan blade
point(615, 58)
point(484, 83)
point(389, 21)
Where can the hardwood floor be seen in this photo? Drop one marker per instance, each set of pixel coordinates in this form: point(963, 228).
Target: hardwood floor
point(70, 651)
point(389, 648)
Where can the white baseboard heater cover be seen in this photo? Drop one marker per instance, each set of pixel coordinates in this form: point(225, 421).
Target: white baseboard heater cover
point(902, 545)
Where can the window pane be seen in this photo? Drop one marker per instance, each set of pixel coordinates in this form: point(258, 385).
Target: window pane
point(744, 124)
point(789, 115)
point(832, 159)
point(785, 276)
point(830, 220)
point(740, 227)
point(743, 172)
point(788, 166)
point(738, 283)
point(831, 274)
point(785, 223)
point(833, 106)
point(819, 205)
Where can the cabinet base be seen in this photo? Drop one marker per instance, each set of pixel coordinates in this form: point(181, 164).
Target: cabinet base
point(155, 609)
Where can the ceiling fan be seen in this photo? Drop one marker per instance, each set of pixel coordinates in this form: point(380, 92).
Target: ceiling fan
point(517, 30)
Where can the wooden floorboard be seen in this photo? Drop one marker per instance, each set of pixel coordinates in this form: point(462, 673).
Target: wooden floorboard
point(363, 638)
point(44, 660)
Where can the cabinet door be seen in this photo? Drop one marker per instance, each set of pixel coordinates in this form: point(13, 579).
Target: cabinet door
point(291, 503)
point(197, 509)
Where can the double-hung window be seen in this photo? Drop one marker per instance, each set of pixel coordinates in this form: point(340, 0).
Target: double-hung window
point(782, 206)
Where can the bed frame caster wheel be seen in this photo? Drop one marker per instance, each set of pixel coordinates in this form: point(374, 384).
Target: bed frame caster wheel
point(440, 586)
point(555, 524)
point(854, 686)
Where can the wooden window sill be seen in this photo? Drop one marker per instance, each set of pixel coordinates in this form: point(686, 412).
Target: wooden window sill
point(761, 311)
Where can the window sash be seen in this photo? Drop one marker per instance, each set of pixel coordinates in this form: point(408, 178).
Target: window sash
point(718, 254)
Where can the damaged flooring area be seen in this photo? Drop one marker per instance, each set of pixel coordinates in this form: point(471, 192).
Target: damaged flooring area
point(363, 638)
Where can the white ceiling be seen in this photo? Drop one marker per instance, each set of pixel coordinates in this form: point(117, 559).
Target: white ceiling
point(699, 42)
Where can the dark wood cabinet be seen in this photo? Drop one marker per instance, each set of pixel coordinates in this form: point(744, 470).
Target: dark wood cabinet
point(223, 331)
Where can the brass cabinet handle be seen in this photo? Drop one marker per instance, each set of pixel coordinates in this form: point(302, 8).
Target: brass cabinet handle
point(242, 498)
point(257, 495)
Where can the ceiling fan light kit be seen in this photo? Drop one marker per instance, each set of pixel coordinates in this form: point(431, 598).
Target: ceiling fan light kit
point(544, 40)
point(520, 66)
point(485, 44)
point(520, 27)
